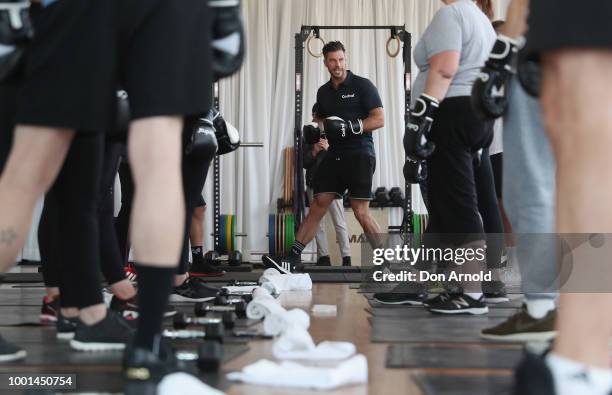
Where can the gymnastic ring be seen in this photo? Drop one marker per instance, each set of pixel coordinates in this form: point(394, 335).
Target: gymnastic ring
point(399, 46)
point(310, 49)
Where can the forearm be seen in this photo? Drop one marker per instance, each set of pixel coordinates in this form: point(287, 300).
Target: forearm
point(438, 82)
point(373, 122)
point(516, 19)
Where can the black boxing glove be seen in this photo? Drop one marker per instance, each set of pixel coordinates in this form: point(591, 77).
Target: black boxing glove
point(529, 71)
point(489, 91)
point(416, 145)
point(414, 172)
point(15, 24)
point(338, 129)
point(227, 135)
point(200, 138)
point(228, 37)
point(312, 133)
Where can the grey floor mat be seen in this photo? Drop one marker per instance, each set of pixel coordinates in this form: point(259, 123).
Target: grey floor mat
point(411, 312)
point(445, 357)
point(464, 385)
point(514, 303)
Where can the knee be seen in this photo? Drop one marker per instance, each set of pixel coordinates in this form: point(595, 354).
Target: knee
point(362, 214)
point(198, 213)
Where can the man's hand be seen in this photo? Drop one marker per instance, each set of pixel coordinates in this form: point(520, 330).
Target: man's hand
point(323, 144)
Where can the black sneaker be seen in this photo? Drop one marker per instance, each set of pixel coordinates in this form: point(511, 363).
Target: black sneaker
point(495, 292)
point(142, 367)
point(441, 298)
point(412, 299)
point(523, 327)
point(10, 352)
point(202, 269)
point(112, 333)
point(346, 261)
point(49, 310)
point(128, 309)
point(193, 290)
point(459, 304)
point(533, 377)
point(324, 261)
point(66, 327)
point(285, 265)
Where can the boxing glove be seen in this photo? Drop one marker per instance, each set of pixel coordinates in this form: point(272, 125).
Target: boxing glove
point(11, 61)
point(122, 116)
point(228, 37)
point(312, 133)
point(415, 172)
point(489, 91)
point(227, 135)
point(416, 145)
point(200, 138)
point(338, 129)
point(15, 24)
point(529, 71)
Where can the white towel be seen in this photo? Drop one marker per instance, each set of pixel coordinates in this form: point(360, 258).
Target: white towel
point(278, 283)
point(188, 384)
point(324, 351)
point(276, 323)
point(240, 289)
point(301, 299)
point(261, 292)
point(291, 374)
point(258, 308)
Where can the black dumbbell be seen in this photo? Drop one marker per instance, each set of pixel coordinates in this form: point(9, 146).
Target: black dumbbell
point(208, 358)
point(397, 197)
point(201, 309)
point(234, 258)
point(381, 196)
point(212, 258)
point(213, 326)
point(237, 283)
point(225, 298)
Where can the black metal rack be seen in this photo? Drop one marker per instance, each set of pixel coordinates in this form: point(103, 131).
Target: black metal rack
point(300, 38)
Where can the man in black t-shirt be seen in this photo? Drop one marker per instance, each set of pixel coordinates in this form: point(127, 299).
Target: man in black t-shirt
point(348, 110)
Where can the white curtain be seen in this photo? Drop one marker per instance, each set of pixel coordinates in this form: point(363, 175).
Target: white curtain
point(259, 100)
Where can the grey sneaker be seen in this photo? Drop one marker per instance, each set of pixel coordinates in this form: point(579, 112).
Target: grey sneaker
point(112, 333)
point(10, 352)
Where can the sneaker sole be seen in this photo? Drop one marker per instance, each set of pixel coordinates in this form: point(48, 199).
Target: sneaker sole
point(65, 335)
point(522, 337)
point(44, 318)
point(82, 346)
point(404, 302)
point(471, 311)
point(13, 357)
point(179, 298)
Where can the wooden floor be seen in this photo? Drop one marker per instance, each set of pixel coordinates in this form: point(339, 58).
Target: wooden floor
point(351, 324)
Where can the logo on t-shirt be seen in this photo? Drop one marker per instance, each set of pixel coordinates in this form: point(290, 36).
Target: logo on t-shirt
point(352, 95)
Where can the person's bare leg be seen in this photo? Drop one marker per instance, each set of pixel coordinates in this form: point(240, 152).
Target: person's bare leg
point(310, 226)
point(34, 162)
point(196, 233)
point(361, 209)
point(159, 209)
point(576, 100)
point(52, 292)
point(123, 289)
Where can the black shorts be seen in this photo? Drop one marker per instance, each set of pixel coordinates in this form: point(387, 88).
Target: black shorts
point(201, 202)
point(497, 164)
point(158, 50)
point(459, 134)
point(557, 24)
point(338, 173)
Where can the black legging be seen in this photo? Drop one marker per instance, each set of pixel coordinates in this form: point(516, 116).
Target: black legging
point(69, 236)
point(122, 223)
point(194, 170)
point(489, 210)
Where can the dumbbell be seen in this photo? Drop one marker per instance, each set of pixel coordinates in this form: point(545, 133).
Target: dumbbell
point(225, 297)
point(213, 326)
point(234, 258)
point(397, 197)
point(237, 283)
point(201, 309)
point(381, 196)
point(212, 258)
point(208, 357)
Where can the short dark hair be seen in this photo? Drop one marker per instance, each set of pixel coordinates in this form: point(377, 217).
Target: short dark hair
point(333, 46)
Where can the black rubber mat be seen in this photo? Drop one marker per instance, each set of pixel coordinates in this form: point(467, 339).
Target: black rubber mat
point(464, 385)
point(432, 329)
point(410, 313)
point(445, 357)
point(331, 269)
point(512, 304)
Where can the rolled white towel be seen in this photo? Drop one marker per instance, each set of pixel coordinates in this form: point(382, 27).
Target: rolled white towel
point(286, 282)
point(276, 324)
point(294, 375)
point(260, 292)
point(324, 351)
point(270, 272)
point(260, 307)
point(293, 338)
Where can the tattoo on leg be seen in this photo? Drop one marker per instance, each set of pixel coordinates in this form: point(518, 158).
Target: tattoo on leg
point(7, 236)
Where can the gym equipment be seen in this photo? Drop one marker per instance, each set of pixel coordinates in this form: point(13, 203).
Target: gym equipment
point(213, 326)
point(307, 34)
point(381, 197)
point(199, 138)
point(281, 233)
point(212, 258)
point(15, 24)
point(236, 283)
point(397, 197)
point(414, 172)
point(251, 334)
point(416, 145)
point(208, 357)
point(228, 37)
point(201, 309)
point(234, 258)
point(231, 299)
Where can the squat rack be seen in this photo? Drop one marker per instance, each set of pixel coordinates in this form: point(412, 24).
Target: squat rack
point(307, 32)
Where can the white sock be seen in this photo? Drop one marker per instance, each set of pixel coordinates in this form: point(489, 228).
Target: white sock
point(538, 308)
point(474, 295)
point(571, 377)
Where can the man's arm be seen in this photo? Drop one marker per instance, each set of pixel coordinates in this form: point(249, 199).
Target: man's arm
point(375, 120)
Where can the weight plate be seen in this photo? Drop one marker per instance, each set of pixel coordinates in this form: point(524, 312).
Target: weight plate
point(228, 233)
point(233, 233)
point(271, 234)
point(277, 235)
point(291, 230)
point(222, 225)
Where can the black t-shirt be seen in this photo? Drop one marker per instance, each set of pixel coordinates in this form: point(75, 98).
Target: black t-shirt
point(354, 99)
